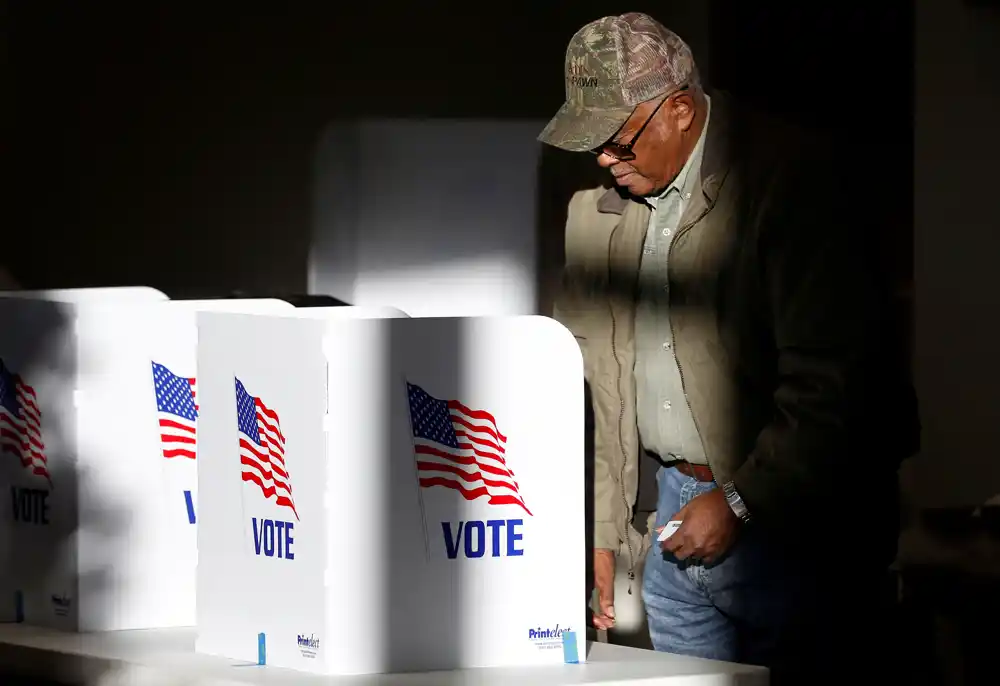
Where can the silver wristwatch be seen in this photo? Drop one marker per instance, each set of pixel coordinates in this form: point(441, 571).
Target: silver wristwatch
point(735, 501)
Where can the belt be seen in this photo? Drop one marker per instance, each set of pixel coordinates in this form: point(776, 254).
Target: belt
point(699, 472)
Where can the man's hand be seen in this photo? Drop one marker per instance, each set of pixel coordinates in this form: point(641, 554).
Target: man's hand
point(604, 581)
point(708, 528)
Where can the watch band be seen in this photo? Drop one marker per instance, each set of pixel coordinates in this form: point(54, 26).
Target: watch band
point(736, 503)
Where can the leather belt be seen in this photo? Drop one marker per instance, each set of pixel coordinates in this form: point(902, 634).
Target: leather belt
point(699, 472)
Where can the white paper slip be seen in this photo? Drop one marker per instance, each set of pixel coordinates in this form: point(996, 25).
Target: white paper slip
point(668, 530)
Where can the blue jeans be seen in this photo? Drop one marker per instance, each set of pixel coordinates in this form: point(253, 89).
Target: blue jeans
point(732, 610)
point(797, 607)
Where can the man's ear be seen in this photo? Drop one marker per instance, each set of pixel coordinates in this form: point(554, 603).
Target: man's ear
point(683, 111)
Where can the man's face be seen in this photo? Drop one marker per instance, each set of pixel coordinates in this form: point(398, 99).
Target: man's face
point(661, 150)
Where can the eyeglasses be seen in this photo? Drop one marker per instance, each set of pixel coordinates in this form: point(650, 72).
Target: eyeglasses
point(623, 151)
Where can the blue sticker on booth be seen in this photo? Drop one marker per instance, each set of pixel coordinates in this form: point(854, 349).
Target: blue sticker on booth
point(261, 649)
point(570, 653)
point(18, 607)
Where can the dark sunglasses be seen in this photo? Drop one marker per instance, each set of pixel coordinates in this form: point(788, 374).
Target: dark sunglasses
point(623, 151)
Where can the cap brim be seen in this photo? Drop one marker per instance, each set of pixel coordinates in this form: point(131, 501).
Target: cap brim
point(579, 129)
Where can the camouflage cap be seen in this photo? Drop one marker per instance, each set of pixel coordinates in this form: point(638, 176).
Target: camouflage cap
point(612, 65)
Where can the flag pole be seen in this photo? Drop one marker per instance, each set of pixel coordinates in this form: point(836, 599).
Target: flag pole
point(416, 473)
point(243, 496)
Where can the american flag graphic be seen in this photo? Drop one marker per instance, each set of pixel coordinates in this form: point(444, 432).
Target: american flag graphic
point(461, 449)
point(21, 423)
point(262, 448)
point(177, 411)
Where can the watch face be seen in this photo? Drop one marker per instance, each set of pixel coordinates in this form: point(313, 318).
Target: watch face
point(736, 502)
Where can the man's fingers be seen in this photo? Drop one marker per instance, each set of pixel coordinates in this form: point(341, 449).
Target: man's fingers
point(708, 552)
point(606, 618)
point(680, 546)
point(606, 602)
point(675, 540)
point(671, 544)
point(683, 552)
point(603, 622)
point(604, 580)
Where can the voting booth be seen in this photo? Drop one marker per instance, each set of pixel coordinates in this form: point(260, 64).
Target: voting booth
point(392, 494)
point(172, 352)
point(98, 414)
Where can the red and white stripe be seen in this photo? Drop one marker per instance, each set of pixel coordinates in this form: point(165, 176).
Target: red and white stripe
point(478, 467)
point(22, 436)
point(178, 435)
point(265, 465)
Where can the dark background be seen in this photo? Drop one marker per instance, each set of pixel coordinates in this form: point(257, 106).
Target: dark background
point(156, 142)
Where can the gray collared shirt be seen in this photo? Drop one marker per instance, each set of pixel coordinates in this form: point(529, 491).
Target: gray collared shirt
point(665, 423)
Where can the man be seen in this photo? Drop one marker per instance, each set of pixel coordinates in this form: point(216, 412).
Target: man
point(736, 336)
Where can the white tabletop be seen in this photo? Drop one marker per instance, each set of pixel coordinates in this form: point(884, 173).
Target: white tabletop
point(166, 656)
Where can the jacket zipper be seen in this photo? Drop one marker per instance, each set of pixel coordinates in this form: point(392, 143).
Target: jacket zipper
point(680, 370)
point(621, 399)
point(621, 419)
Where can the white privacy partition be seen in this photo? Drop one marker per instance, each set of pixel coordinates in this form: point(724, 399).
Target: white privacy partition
point(99, 410)
point(408, 214)
point(170, 387)
point(390, 495)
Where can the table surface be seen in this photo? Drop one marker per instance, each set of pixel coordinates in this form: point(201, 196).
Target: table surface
point(166, 656)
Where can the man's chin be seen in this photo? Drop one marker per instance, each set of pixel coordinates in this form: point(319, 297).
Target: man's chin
point(634, 184)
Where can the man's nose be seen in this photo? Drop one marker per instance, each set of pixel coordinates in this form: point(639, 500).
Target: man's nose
point(605, 160)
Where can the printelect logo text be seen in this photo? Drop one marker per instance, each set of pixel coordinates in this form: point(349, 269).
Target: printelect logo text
point(539, 633)
point(308, 641)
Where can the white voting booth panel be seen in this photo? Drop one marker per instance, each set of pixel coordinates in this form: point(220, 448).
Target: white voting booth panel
point(97, 422)
point(390, 495)
point(391, 229)
point(169, 376)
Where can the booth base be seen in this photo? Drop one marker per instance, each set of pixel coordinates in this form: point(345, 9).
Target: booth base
point(166, 656)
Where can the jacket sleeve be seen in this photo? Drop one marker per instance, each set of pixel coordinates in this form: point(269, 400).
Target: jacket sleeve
point(825, 299)
point(580, 308)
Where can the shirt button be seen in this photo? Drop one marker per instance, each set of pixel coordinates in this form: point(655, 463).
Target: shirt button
point(666, 345)
point(687, 196)
point(666, 405)
point(666, 232)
